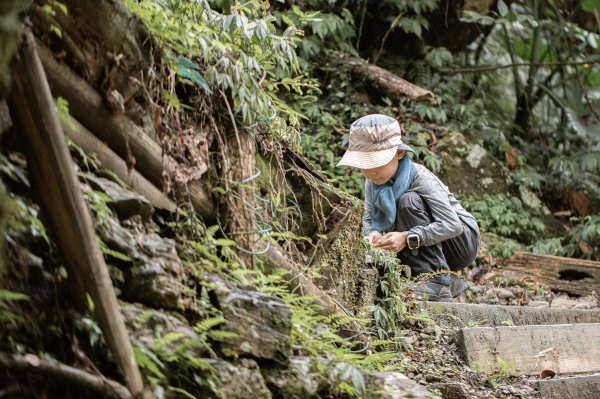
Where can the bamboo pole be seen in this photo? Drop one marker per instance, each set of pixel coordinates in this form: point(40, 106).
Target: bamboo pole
point(70, 221)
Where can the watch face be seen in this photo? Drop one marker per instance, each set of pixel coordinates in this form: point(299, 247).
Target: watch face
point(413, 241)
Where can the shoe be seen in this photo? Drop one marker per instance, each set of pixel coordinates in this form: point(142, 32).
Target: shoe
point(457, 285)
point(436, 290)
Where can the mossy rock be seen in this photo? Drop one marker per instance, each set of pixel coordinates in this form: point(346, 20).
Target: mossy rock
point(469, 170)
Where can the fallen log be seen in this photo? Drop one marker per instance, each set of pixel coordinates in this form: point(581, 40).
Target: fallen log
point(69, 219)
point(111, 161)
point(389, 82)
point(574, 276)
point(119, 132)
point(55, 373)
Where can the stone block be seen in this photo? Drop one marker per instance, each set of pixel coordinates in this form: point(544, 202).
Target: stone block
point(262, 323)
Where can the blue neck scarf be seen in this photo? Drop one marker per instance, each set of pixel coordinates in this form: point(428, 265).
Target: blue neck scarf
point(385, 197)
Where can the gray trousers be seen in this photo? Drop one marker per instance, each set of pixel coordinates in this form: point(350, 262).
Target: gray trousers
point(452, 254)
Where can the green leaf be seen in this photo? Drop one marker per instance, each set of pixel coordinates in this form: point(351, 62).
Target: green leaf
point(590, 5)
point(502, 8)
point(189, 70)
point(148, 361)
point(6, 295)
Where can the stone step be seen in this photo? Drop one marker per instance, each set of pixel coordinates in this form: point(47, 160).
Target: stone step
point(580, 387)
point(469, 314)
point(564, 348)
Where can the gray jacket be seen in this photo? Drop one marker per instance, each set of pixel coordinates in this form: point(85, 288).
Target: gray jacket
point(448, 215)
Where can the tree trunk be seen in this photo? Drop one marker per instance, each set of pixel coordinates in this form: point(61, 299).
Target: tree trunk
point(239, 169)
point(69, 218)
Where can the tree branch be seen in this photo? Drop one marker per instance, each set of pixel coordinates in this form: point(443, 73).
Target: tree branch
point(60, 372)
point(521, 64)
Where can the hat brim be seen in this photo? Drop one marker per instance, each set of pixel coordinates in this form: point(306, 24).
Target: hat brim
point(372, 159)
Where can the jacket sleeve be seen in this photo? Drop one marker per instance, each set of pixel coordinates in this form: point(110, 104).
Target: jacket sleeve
point(446, 223)
point(368, 207)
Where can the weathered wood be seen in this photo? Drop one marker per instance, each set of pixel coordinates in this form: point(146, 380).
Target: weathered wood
point(120, 133)
point(334, 222)
point(574, 276)
point(298, 282)
point(56, 373)
point(562, 348)
point(390, 83)
point(69, 218)
point(465, 314)
point(111, 161)
point(580, 387)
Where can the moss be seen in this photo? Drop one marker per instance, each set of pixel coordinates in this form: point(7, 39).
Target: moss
point(341, 264)
point(9, 27)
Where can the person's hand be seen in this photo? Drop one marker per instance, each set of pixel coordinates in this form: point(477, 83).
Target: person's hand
point(394, 241)
point(374, 237)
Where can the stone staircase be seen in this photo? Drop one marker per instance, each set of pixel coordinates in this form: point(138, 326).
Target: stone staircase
point(560, 343)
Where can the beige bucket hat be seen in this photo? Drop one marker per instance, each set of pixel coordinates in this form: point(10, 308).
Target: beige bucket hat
point(374, 140)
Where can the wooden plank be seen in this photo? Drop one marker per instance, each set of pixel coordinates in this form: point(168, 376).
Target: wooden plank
point(563, 348)
point(580, 387)
point(471, 314)
point(574, 276)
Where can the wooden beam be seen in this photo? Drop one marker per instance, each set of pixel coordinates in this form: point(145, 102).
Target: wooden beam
point(69, 219)
point(119, 132)
point(562, 348)
point(580, 387)
point(573, 276)
point(465, 314)
point(111, 161)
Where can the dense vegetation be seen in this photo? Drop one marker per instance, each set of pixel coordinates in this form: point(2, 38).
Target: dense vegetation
point(525, 85)
point(526, 88)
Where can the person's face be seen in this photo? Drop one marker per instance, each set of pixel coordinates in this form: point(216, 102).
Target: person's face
point(383, 173)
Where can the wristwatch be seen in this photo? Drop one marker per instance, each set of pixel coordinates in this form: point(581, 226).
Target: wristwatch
point(413, 242)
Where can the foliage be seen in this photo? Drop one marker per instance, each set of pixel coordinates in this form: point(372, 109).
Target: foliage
point(582, 240)
point(7, 316)
point(240, 52)
point(502, 247)
point(504, 216)
point(549, 110)
point(25, 219)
